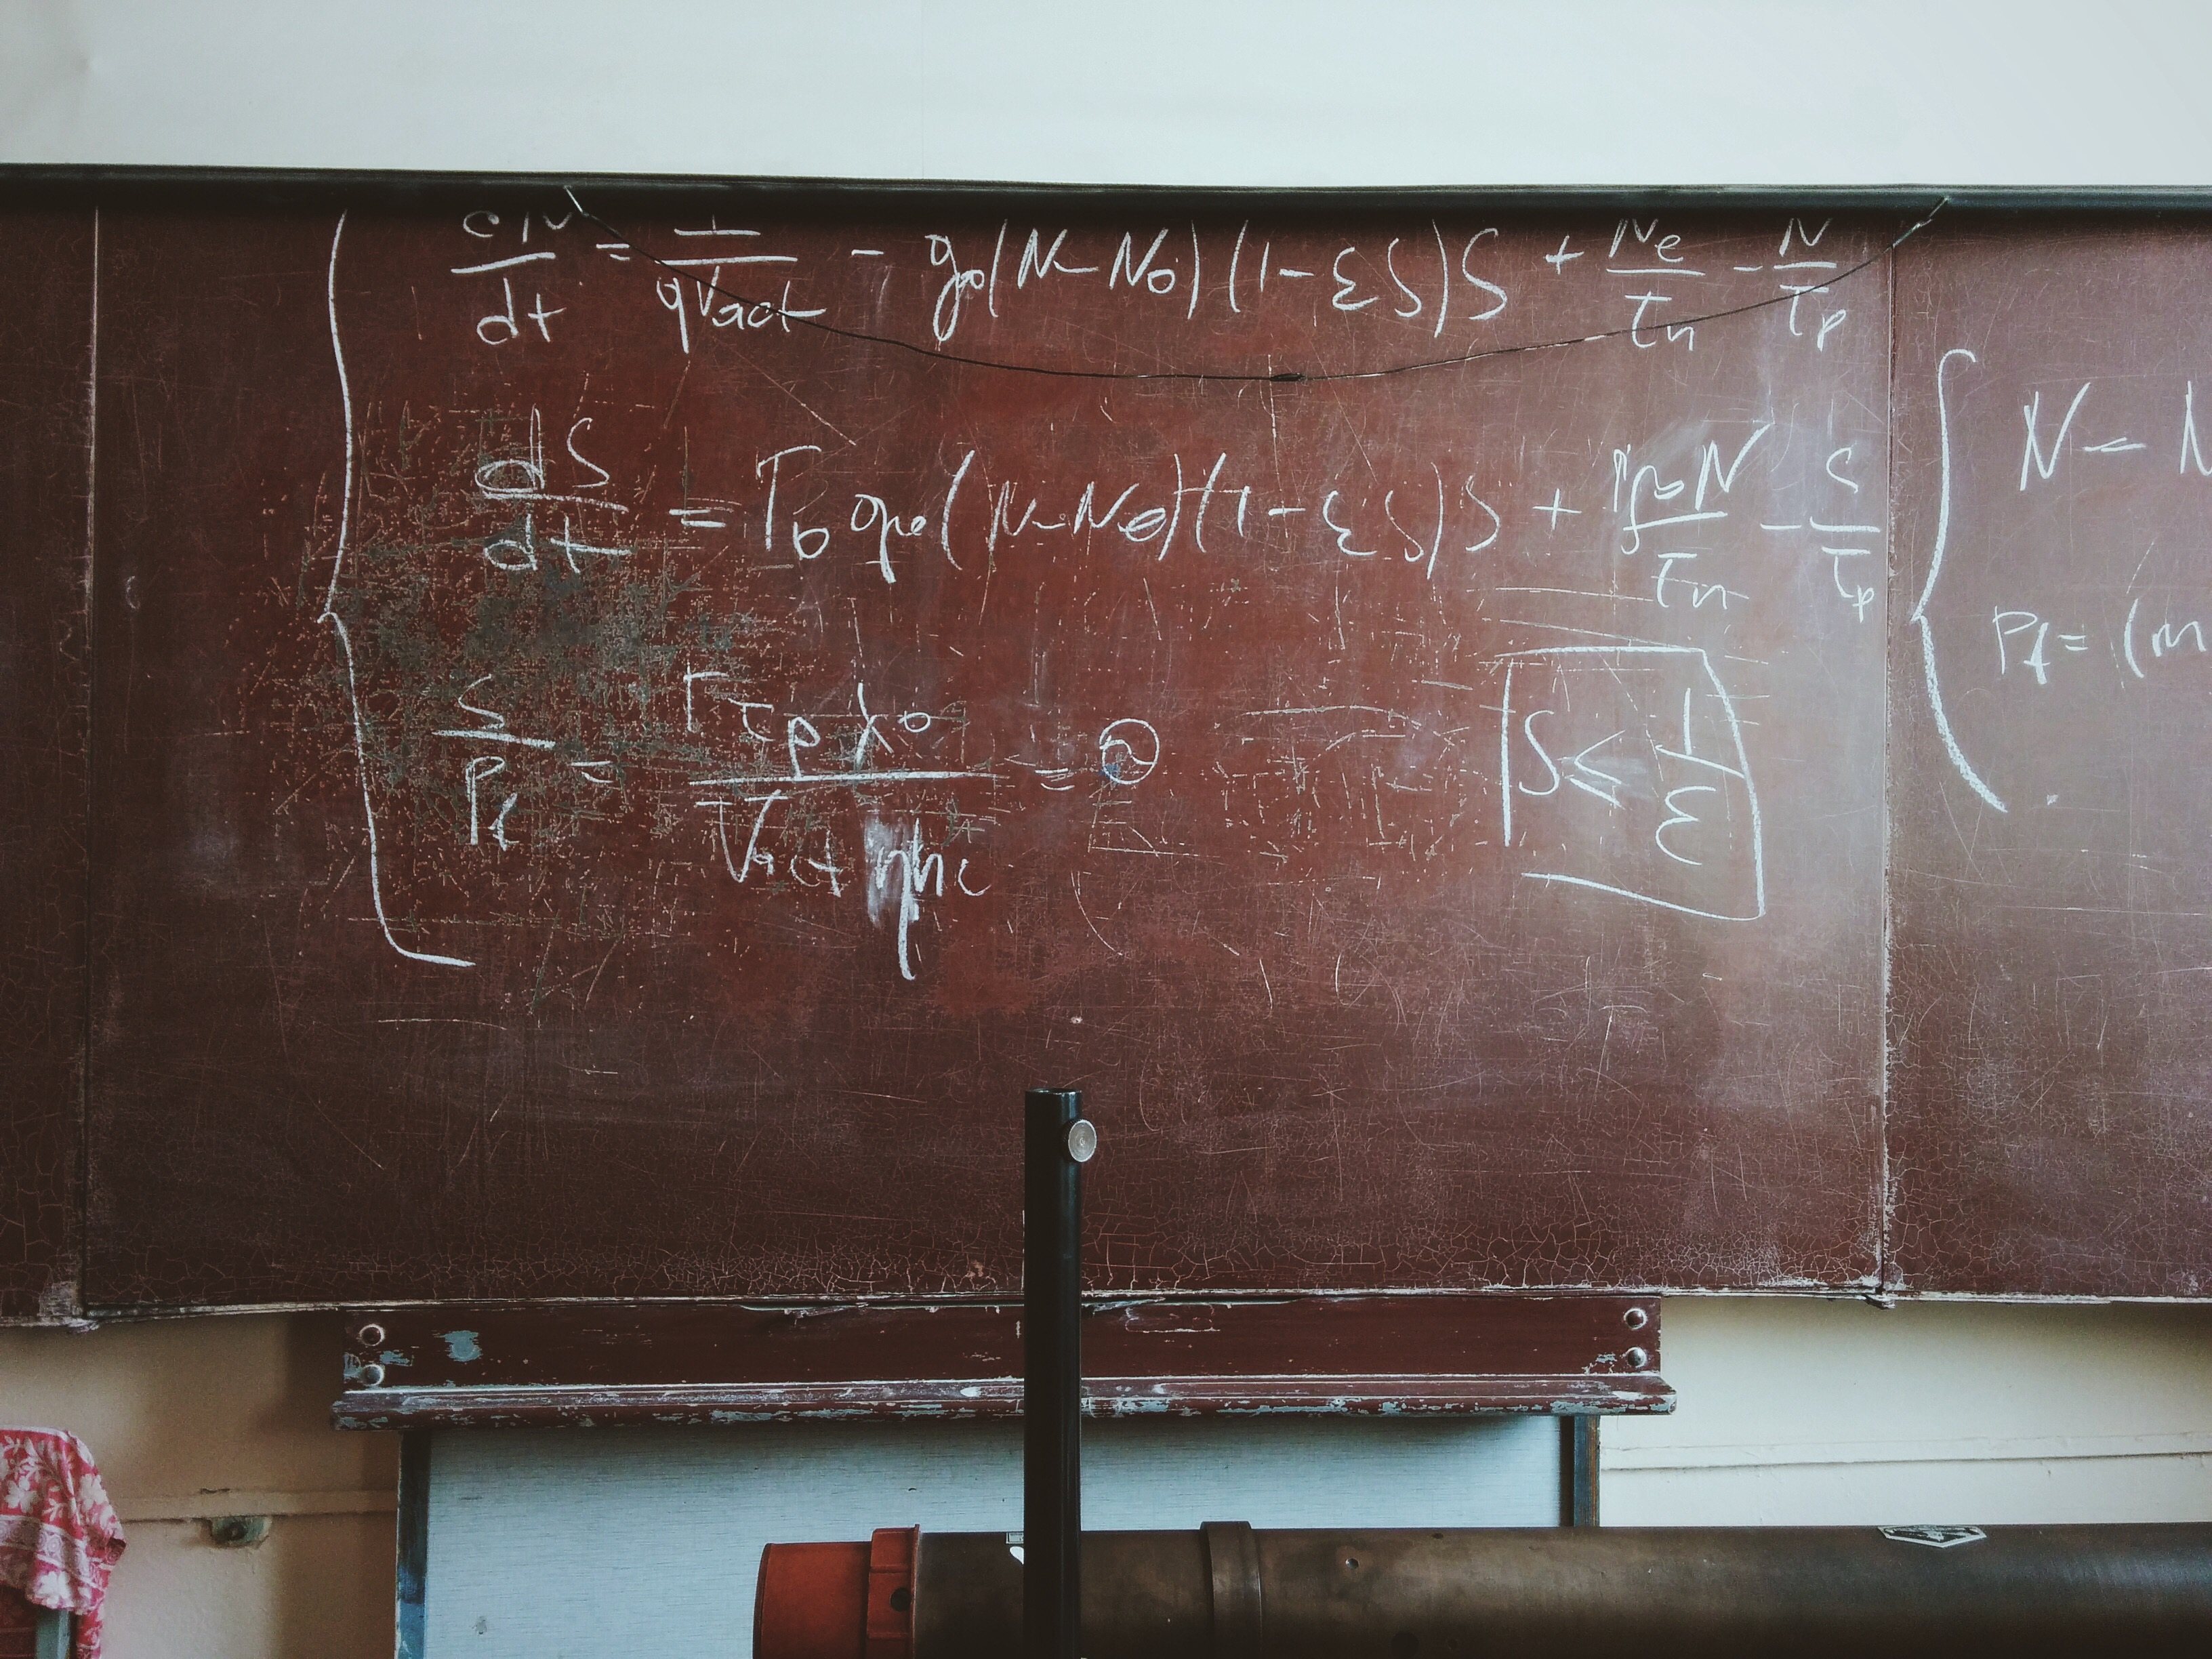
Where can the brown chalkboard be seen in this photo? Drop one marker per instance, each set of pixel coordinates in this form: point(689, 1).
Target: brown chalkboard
point(629, 728)
point(2050, 1112)
point(1504, 747)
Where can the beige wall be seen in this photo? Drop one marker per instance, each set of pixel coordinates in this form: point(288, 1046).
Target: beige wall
point(1792, 1412)
point(192, 1419)
point(1816, 1413)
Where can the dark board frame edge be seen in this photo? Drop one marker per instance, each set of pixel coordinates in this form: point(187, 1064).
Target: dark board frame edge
point(23, 181)
point(99, 1315)
point(412, 1546)
point(1579, 1466)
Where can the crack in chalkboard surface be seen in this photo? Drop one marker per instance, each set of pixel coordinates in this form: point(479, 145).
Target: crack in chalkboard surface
point(1246, 377)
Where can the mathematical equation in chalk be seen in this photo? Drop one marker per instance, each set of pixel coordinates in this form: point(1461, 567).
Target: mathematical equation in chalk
point(808, 667)
point(2085, 589)
point(527, 276)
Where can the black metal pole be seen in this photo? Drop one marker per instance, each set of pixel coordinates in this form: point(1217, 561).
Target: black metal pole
point(1055, 1144)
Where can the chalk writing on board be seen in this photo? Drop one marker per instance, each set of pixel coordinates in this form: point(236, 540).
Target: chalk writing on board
point(1454, 285)
point(1677, 788)
point(1930, 678)
point(2040, 633)
point(336, 625)
point(766, 637)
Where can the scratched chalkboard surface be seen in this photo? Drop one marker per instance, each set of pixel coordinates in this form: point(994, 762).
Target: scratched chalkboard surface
point(628, 725)
point(45, 334)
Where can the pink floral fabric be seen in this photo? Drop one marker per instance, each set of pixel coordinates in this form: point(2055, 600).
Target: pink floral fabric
point(60, 1537)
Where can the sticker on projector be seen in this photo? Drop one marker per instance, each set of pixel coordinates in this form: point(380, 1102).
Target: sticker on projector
point(1936, 1538)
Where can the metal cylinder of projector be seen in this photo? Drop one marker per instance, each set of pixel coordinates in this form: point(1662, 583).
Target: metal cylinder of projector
point(1643, 1592)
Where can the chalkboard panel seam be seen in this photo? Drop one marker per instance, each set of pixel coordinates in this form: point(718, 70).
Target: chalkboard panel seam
point(1885, 1192)
point(81, 1173)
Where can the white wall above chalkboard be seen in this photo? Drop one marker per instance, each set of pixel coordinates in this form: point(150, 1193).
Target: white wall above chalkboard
point(1284, 94)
